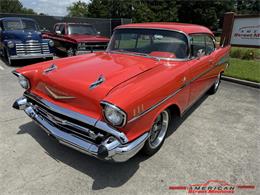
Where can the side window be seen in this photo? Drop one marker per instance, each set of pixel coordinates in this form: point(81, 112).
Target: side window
point(62, 29)
point(210, 46)
point(57, 27)
point(198, 48)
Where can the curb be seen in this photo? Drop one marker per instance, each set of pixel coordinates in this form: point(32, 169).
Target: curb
point(239, 81)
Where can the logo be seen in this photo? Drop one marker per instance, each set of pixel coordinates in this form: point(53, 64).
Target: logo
point(50, 68)
point(57, 94)
point(248, 32)
point(212, 187)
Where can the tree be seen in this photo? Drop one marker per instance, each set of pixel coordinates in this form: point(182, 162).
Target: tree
point(78, 9)
point(14, 6)
point(10, 6)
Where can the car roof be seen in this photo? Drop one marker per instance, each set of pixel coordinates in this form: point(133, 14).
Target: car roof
point(15, 18)
point(183, 27)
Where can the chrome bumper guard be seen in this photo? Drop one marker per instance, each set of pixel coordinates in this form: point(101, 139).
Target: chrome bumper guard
point(115, 148)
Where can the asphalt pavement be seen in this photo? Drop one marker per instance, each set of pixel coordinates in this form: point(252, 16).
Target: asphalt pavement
point(218, 139)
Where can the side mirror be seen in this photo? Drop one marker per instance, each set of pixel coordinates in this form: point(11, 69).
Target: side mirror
point(58, 32)
point(98, 33)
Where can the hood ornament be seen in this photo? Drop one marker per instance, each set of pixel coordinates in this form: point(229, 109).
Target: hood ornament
point(100, 80)
point(50, 68)
point(57, 96)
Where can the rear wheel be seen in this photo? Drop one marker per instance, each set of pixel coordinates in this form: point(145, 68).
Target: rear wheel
point(215, 86)
point(157, 133)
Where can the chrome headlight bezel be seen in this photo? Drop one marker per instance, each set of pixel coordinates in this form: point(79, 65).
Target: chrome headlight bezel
point(51, 43)
point(10, 44)
point(108, 108)
point(23, 81)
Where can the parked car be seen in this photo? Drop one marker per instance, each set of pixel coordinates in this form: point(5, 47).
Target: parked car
point(112, 104)
point(77, 38)
point(20, 38)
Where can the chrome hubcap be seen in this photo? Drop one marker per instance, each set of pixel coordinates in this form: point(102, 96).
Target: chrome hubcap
point(217, 82)
point(159, 129)
point(70, 52)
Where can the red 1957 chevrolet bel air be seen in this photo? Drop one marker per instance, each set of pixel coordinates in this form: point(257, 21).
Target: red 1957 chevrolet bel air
point(112, 104)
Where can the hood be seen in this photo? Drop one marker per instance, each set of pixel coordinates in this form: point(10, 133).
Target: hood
point(88, 38)
point(73, 76)
point(22, 35)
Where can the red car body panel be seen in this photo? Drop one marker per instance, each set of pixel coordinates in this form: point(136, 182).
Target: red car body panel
point(133, 83)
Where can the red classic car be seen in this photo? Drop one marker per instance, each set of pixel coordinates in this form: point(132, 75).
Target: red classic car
point(112, 104)
point(76, 38)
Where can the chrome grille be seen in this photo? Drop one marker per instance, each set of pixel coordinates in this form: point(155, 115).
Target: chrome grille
point(69, 125)
point(32, 47)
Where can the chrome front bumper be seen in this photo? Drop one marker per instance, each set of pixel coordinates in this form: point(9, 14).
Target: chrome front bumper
point(115, 148)
point(30, 56)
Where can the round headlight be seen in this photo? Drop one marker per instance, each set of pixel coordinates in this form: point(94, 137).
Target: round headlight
point(24, 82)
point(10, 44)
point(114, 115)
point(51, 43)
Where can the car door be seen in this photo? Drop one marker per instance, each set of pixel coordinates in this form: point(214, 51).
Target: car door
point(200, 65)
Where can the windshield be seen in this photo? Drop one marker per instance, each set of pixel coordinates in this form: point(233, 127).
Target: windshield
point(150, 42)
point(20, 25)
point(81, 29)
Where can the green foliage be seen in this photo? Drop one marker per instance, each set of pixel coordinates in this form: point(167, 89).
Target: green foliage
point(14, 6)
point(244, 69)
point(245, 53)
point(78, 9)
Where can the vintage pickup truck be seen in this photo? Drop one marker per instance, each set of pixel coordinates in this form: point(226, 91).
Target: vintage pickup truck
point(20, 38)
point(112, 104)
point(76, 38)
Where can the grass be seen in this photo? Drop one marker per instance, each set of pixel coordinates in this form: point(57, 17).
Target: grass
point(244, 69)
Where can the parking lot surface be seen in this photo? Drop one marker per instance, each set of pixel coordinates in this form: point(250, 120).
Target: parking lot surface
point(218, 139)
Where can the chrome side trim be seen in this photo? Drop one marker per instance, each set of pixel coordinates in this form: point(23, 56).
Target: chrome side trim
point(221, 61)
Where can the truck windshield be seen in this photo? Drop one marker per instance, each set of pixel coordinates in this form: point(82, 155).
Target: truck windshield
point(81, 29)
point(20, 24)
point(150, 42)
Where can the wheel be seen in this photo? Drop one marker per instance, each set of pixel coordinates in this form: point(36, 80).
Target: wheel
point(71, 52)
point(157, 133)
point(7, 57)
point(213, 89)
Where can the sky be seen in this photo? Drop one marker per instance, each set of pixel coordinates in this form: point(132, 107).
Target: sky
point(50, 7)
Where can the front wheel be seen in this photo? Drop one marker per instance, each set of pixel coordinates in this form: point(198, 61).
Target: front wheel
point(71, 52)
point(157, 133)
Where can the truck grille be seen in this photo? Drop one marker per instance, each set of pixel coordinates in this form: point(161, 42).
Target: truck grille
point(32, 47)
point(69, 125)
point(92, 46)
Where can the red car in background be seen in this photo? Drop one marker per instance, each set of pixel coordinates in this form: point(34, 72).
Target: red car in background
point(76, 38)
point(112, 104)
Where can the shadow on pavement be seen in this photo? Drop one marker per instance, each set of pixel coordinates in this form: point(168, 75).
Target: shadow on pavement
point(103, 173)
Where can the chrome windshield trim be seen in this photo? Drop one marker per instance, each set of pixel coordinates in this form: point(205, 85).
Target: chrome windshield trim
point(160, 58)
